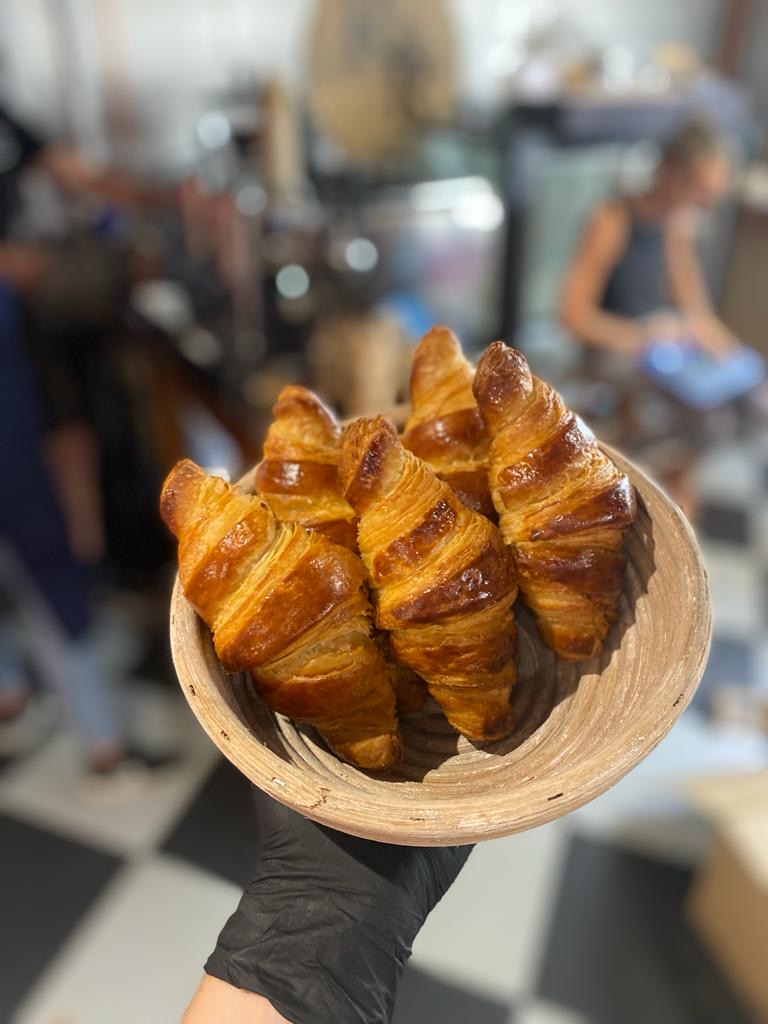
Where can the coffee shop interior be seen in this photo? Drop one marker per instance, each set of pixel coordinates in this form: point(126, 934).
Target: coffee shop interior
point(202, 202)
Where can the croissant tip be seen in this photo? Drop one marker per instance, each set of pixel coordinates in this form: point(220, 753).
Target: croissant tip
point(183, 466)
point(291, 392)
point(440, 336)
point(496, 726)
point(501, 372)
point(376, 754)
point(435, 357)
point(364, 429)
point(498, 354)
point(184, 473)
point(365, 444)
point(293, 395)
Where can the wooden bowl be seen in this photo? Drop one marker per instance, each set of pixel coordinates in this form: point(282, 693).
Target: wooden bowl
point(580, 727)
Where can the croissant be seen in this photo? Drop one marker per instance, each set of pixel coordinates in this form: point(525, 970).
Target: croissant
point(443, 581)
point(298, 477)
point(563, 505)
point(445, 428)
point(410, 689)
point(290, 607)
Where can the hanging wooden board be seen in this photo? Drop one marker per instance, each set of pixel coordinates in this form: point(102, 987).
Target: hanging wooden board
point(378, 71)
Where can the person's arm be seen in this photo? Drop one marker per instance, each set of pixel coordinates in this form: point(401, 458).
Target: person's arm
point(599, 250)
point(216, 1001)
point(76, 175)
point(689, 289)
point(324, 929)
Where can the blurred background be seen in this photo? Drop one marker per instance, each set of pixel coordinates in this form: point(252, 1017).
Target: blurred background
point(203, 201)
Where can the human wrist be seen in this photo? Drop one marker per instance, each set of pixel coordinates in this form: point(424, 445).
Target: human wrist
point(631, 339)
point(216, 1001)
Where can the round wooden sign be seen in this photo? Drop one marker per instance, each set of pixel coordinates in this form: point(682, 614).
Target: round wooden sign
point(378, 71)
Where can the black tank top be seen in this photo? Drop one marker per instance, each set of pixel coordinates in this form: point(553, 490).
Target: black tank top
point(637, 284)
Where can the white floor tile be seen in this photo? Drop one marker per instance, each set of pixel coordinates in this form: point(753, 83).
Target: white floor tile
point(48, 789)
point(758, 444)
point(761, 664)
point(728, 473)
point(737, 589)
point(760, 531)
point(648, 810)
point(138, 955)
point(541, 1012)
point(487, 933)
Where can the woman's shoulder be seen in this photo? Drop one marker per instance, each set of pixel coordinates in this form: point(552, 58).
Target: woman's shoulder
point(611, 219)
point(615, 208)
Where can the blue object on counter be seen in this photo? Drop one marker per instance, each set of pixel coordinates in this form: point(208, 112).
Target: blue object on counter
point(411, 312)
point(697, 378)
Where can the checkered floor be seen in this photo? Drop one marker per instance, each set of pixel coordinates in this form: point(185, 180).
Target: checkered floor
point(108, 912)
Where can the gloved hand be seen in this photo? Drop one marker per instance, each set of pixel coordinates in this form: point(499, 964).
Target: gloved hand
point(327, 923)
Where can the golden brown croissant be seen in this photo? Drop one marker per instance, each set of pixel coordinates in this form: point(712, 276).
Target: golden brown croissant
point(445, 428)
point(287, 605)
point(443, 579)
point(299, 480)
point(562, 504)
point(298, 476)
point(410, 689)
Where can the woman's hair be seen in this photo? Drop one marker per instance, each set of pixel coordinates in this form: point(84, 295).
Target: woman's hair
point(693, 141)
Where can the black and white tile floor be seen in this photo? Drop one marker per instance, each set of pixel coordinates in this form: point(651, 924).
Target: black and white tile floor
point(108, 912)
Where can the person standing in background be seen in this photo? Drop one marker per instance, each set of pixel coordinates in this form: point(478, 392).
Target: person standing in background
point(51, 525)
point(635, 279)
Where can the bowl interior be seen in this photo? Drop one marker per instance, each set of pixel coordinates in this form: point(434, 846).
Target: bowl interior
point(580, 727)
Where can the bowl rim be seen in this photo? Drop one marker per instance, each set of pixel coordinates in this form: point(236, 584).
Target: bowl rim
point(457, 820)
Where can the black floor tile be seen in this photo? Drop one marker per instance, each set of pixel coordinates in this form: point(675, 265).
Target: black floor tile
point(422, 999)
point(730, 661)
point(720, 521)
point(619, 949)
point(46, 884)
point(154, 662)
point(218, 830)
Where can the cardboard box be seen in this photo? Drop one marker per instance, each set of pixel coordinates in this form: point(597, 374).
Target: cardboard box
point(728, 902)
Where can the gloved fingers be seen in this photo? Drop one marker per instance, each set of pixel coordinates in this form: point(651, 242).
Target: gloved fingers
point(417, 875)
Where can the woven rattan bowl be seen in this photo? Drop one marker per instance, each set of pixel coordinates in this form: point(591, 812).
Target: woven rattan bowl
point(580, 728)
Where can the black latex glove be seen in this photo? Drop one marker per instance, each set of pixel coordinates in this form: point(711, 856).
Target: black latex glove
point(327, 923)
